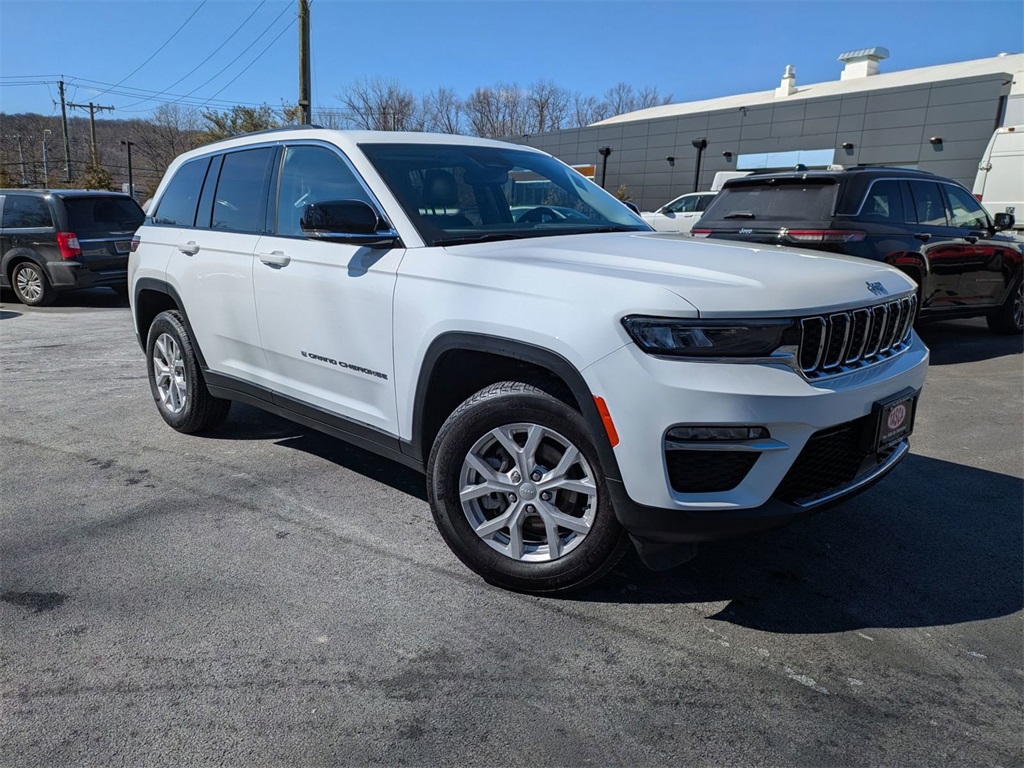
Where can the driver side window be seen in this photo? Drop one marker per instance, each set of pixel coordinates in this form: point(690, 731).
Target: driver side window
point(685, 205)
point(312, 175)
point(967, 213)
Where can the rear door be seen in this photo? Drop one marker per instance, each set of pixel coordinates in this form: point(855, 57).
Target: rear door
point(781, 211)
point(677, 216)
point(27, 222)
point(104, 226)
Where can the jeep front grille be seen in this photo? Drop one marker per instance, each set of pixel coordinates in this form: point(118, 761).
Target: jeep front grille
point(843, 341)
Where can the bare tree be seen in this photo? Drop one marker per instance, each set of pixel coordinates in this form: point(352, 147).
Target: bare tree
point(549, 106)
point(586, 110)
point(623, 98)
point(378, 104)
point(443, 111)
point(499, 112)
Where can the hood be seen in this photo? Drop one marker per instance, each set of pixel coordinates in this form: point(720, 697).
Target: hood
point(720, 279)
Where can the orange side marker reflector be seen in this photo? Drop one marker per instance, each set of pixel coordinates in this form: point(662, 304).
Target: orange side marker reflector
point(606, 419)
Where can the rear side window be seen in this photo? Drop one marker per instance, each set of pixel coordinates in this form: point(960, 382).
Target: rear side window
point(93, 216)
point(26, 211)
point(781, 202)
point(884, 203)
point(928, 204)
point(178, 205)
point(240, 201)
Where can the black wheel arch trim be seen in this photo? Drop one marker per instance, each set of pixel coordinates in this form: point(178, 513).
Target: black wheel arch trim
point(515, 350)
point(21, 253)
point(161, 286)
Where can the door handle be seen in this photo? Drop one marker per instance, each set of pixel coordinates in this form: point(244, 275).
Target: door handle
point(924, 237)
point(275, 259)
point(191, 248)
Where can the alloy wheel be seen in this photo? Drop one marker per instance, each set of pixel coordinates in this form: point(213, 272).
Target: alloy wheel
point(528, 492)
point(29, 284)
point(169, 372)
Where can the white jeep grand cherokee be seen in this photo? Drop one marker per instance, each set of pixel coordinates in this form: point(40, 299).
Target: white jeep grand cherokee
point(568, 382)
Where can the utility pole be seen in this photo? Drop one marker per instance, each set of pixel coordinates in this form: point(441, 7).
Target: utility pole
point(46, 167)
point(21, 158)
point(305, 103)
point(64, 125)
point(93, 109)
point(131, 186)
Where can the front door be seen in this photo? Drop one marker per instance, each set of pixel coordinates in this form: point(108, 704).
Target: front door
point(987, 268)
point(325, 309)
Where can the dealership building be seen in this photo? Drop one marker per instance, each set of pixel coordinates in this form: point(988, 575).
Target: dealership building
point(936, 119)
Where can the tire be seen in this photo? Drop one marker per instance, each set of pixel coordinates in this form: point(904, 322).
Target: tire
point(1009, 318)
point(176, 379)
point(31, 285)
point(474, 452)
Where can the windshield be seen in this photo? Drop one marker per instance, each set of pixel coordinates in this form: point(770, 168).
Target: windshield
point(462, 194)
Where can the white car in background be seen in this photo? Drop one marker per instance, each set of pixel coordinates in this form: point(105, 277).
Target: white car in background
point(681, 214)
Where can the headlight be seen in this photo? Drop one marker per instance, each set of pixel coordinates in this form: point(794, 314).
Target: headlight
point(711, 338)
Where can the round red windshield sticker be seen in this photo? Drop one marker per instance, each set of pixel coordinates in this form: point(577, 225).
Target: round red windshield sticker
point(897, 416)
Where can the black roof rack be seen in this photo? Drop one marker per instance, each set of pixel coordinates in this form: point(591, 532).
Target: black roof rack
point(266, 130)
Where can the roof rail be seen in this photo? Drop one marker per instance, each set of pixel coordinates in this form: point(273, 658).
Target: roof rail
point(266, 130)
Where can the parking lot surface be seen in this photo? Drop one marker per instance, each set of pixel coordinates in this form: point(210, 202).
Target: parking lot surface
point(266, 595)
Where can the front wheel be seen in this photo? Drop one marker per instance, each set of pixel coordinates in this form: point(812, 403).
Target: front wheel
point(518, 492)
point(1009, 318)
point(176, 379)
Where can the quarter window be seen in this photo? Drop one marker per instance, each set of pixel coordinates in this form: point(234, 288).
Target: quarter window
point(177, 207)
point(928, 203)
point(313, 175)
point(26, 211)
point(967, 213)
point(240, 201)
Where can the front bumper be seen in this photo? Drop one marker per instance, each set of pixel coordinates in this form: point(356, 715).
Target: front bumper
point(647, 396)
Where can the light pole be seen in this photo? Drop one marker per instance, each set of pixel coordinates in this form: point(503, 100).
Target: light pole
point(604, 152)
point(46, 167)
point(701, 144)
point(131, 186)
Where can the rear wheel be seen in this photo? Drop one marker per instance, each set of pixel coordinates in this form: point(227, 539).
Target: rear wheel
point(1009, 318)
point(31, 286)
point(518, 492)
point(176, 379)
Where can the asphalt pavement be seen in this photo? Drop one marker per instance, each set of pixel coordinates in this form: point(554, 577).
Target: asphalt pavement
point(266, 595)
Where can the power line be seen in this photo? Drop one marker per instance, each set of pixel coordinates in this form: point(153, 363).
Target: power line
point(215, 51)
point(228, 65)
point(290, 24)
point(166, 43)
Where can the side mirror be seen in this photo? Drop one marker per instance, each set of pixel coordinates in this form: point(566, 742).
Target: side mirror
point(1004, 221)
point(346, 221)
point(632, 206)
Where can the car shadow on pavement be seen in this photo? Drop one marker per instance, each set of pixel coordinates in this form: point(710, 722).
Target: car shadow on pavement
point(246, 422)
point(966, 341)
point(937, 543)
point(87, 298)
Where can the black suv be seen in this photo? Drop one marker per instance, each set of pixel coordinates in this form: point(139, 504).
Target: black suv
point(930, 227)
point(56, 240)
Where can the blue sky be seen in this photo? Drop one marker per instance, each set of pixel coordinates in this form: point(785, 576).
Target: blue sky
point(691, 50)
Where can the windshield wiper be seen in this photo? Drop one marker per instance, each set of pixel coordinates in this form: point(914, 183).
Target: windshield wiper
point(740, 215)
point(486, 237)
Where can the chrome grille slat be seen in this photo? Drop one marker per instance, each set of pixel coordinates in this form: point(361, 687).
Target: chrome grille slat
point(845, 341)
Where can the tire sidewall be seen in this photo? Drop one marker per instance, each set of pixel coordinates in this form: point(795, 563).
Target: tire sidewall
point(585, 562)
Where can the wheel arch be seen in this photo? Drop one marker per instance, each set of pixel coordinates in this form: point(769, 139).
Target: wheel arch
point(17, 255)
point(150, 297)
point(457, 365)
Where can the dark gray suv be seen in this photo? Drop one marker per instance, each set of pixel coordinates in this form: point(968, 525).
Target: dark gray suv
point(57, 240)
